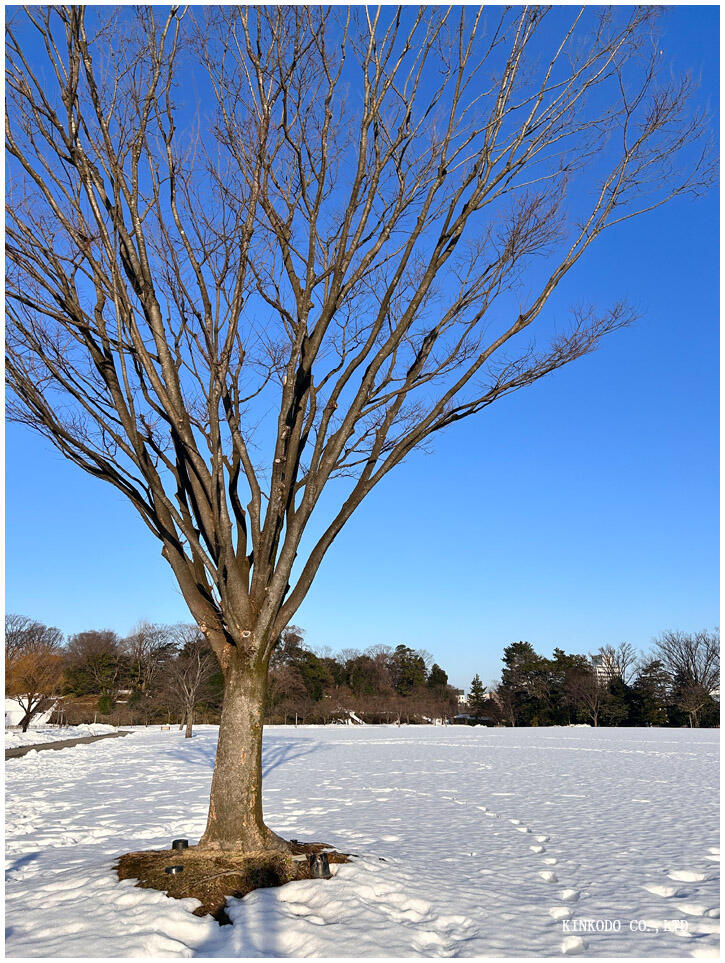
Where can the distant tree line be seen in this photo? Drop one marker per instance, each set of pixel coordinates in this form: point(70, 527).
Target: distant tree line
point(158, 673)
point(676, 684)
point(382, 684)
point(168, 674)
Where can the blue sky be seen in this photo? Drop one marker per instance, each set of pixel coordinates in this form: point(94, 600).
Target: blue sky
point(580, 511)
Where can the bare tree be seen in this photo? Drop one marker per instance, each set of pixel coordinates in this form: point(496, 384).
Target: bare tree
point(33, 665)
point(588, 692)
point(147, 647)
point(692, 699)
point(347, 655)
point(506, 698)
point(619, 661)
point(188, 676)
point(344, 242)
point(692, 663)
point(694, 658)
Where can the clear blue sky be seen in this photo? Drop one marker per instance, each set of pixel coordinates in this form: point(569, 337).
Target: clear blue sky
point(580, 511)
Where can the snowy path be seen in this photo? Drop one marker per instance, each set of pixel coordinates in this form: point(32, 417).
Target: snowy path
point(58, 744)
point(493, 842)
point(42, 735)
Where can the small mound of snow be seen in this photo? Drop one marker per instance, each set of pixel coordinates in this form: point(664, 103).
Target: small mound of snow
point(94, 729)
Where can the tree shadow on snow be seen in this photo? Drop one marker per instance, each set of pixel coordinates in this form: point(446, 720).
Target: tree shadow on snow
point(275, 752)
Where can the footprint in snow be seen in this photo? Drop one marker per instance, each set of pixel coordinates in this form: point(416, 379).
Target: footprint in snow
point(569, 895)
point(695, 909)
point(548, 876)
point(560, 913)
point(573, 945)
point(686, 876)
point(537, 849)
point(659, 889)
point(425, 942)
point(542, 839)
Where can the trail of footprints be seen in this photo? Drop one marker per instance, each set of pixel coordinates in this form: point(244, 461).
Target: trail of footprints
point(707, 923)
point(572, 944)
point(706, 918)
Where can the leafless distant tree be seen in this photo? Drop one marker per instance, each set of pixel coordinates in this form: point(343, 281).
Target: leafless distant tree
point(619, 661)
point(379, 651)
point(346, 655)
point(427, 658)
point(587, 692)
point(692, 699)
point(692, 658)
point(692, 662)
point(147, 647)
point(188, 676)
point(33, 665)
point(287, 691)
point(357, 230)
point(23, 634)
point(15, 628)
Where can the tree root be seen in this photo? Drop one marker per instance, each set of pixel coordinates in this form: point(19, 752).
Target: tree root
point(212, 876)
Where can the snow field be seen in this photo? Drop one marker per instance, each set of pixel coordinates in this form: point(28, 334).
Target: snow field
point(471, 842)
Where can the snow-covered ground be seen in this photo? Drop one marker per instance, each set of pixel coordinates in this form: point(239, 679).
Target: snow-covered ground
point(494, 842)
point(43, 734)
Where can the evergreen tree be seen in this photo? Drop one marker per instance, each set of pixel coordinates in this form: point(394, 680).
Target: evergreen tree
point(618, 709)
point(525, 683)
point(437, 676)
point(650, 695)
point(477, 697)
point(561, 666)
point(407, 670)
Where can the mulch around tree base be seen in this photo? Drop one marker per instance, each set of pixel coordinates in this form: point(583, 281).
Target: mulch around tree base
point(212, 877)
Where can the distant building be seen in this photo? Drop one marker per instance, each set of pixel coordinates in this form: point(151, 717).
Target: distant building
point(602, 670)
point(461, 697)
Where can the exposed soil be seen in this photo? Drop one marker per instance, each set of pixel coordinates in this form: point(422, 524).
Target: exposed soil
point(212, 877)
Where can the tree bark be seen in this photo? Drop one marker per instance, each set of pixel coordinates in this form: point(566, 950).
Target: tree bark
point(25, 722)
point(235, 819)
point(189, 724)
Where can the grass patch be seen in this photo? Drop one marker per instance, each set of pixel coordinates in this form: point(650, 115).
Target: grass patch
point(213, 876)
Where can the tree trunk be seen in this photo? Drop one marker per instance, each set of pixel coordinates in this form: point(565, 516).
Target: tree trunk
point(189, 724)
point(25, 721)
point(235, 807)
